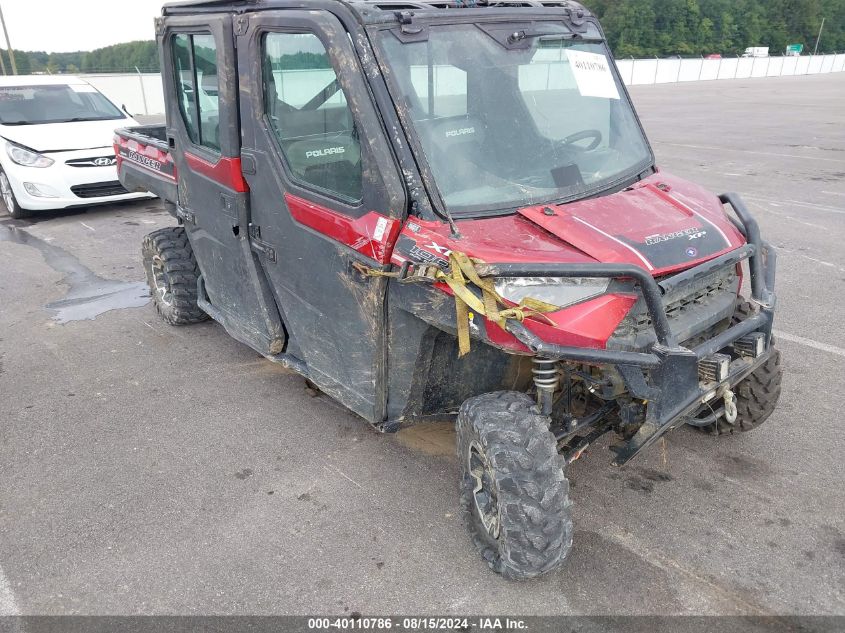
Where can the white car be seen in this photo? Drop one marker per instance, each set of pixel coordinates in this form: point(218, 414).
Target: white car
point(56, 134)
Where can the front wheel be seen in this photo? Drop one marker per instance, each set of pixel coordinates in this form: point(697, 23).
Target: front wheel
point(757, 395)
point(513, 490)
point(9, 200)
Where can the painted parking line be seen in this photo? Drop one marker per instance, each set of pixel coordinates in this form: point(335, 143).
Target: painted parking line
point(797, 203)
point(8, 604)
point(800, 340)
point(747, 151)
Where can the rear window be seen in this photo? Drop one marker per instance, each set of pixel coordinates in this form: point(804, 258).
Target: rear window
point(62, 103)
point(197, 86)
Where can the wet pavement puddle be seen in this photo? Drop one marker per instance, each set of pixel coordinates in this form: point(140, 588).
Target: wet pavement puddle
point(88, 295)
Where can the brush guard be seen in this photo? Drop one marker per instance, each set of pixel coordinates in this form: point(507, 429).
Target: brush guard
point(676, 389)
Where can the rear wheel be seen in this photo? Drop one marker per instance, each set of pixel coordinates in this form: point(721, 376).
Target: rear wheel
point(513, 490)
point(172, 275)
point(9, 200)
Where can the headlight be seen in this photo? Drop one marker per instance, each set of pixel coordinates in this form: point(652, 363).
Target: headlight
point(558, 291)
point(26, 157)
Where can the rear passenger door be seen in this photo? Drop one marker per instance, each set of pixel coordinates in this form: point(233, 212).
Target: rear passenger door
point(326, 194)
point(200, 84)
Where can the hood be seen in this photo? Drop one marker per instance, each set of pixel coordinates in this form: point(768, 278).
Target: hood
point(662, 224)
point(57, 137)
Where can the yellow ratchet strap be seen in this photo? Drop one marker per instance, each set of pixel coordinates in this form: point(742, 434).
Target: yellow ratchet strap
point(461, 274)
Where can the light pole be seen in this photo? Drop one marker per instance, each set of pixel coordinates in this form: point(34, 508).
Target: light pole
point(816, 49)
point(8, 44)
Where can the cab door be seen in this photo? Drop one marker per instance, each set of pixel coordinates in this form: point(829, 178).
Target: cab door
point(325, 195)
point(200, 85)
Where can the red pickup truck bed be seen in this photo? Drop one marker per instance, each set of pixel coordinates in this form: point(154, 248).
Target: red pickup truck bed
point(144, 162)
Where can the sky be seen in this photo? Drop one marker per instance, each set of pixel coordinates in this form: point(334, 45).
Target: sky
point(58, 26)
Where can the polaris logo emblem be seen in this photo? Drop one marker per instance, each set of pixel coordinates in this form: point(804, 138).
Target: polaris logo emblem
point(460, 132)
point(328, 151)
point(105, 161)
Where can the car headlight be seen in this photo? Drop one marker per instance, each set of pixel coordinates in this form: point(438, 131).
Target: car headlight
point(27, 158)
point(557, 291)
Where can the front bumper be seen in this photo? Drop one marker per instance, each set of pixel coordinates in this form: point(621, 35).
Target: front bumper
point(667, 377)
point(63, 182)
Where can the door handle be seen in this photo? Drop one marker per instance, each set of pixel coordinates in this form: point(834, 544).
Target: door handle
point(259, 245)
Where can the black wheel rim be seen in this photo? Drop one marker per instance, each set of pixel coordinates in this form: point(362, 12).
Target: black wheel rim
point(484, 491)
point(161, 282)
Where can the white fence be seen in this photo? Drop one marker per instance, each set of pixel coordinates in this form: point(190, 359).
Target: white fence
point(663, 71)
point(142, 94)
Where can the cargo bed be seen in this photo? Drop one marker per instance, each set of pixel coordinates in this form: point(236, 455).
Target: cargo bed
point(144, 162)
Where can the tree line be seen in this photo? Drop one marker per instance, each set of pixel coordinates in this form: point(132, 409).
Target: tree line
point(648, 28)
point(634, 28)
point(116, 58)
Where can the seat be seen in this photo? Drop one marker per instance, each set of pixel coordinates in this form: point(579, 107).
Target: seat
point(455, 148)
point(331, 161)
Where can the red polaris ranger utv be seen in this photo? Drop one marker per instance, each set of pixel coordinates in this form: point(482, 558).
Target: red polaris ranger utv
point(449, 209)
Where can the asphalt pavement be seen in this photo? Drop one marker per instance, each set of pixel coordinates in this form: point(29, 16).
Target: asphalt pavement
point(152, 469)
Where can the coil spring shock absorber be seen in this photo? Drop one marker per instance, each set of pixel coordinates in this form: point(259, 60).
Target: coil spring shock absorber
point(546, 380)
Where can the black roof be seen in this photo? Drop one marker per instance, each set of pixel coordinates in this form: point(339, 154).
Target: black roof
point(194, 6)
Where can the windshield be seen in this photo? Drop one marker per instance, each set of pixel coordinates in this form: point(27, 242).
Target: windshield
point(506, 122)
point(31, 105)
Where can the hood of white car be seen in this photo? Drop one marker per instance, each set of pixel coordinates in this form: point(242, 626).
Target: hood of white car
point(57, 137)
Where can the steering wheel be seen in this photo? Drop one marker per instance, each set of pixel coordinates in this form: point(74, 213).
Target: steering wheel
point(584, 134)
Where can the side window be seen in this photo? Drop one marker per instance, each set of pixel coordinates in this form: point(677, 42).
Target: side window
point(185, 84)
point(309, 115)
point(195, 64)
